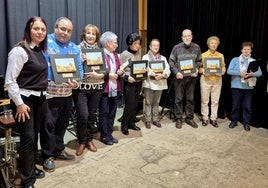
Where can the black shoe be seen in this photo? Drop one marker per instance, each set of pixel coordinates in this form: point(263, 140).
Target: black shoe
point(134, 127)
point(39, 173)
point(214, 123)
point(125, 131)
point(136, 120)
point(232, 125)
point(49, 165)
point(107, 141)
point(204, 122)
point(246, 127)
point(115, 141)
point(65, 156)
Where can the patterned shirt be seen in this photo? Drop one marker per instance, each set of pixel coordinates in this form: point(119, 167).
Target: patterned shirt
point(55, 47)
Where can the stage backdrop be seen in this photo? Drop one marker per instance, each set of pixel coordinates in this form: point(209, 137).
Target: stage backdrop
point(118, 16)
point(232, 21)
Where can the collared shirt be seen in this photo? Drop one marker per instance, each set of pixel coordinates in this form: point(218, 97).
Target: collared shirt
point(17, 57)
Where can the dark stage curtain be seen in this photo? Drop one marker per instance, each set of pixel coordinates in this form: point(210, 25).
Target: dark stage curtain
point(232, 21)
point(120, 17)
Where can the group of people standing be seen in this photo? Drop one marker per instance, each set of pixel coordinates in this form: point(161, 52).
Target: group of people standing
point(243, 81)
point(43, 107)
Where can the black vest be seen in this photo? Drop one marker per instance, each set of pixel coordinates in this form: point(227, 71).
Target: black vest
point(33, 75)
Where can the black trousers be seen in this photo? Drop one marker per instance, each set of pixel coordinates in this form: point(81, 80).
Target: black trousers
point(86, 105)
point(184, 97)
point(55, 125)
point(131, 103)
point(29, 136)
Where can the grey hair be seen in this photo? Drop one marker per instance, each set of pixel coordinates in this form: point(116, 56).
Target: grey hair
point(106, 37)
point(59, 20)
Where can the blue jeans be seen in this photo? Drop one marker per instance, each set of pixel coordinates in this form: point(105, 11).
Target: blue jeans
point(107, 112)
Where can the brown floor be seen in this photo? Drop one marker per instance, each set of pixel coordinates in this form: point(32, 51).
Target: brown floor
point(168, 157)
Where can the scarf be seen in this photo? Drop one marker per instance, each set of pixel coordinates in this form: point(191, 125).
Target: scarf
point(85, 45)
point(243, 63)
point(153, 57)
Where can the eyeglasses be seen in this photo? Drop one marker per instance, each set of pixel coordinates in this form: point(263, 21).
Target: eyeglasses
point(187, 36)
point(64, 29)
point(114, 42)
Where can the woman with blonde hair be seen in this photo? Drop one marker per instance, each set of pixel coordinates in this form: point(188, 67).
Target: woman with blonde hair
point(211, 83)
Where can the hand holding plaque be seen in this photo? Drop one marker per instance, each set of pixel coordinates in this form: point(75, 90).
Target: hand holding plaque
point(187, 66)
point(157, 67)
point(139, 69)
point(213, 66)
point(64, 68)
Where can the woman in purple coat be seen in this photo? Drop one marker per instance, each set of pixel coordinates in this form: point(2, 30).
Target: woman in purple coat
point(108, 103)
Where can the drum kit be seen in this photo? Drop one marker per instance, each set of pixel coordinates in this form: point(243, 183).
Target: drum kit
point(8, 147)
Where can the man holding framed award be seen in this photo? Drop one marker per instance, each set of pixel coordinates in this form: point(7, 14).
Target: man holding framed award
point(211, 70)
point(184, 61)
point(59, 95)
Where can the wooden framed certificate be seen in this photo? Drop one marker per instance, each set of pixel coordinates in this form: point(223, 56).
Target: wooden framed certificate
point(187, 66)
point(212, 66)
point(138, 69)
point(64, 68)
point(95, 60)
point(157, 66)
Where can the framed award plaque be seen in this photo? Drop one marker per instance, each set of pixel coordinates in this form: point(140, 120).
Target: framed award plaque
point(157, 66)
point(95, 60)
point(138, 69)
point(212, 66)
point(64, 68)
point(187, 66)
